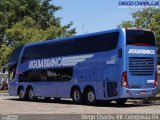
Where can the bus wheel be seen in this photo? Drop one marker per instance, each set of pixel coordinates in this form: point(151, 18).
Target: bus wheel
point(30, 94)
point(90, 97)
point(21, 94)
point(77, 96)
point(121, 101)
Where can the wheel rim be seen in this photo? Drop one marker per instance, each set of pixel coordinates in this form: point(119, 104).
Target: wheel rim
point(31, 95)
point(91, 96)
point(76, 95)
point(21, 94)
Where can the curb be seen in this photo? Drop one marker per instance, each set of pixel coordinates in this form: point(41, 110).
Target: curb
point(4, 94)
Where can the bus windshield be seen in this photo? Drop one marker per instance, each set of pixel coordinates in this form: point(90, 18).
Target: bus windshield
point(140, 38)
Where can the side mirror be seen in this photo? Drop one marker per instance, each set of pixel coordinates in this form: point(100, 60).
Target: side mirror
point(4, 70)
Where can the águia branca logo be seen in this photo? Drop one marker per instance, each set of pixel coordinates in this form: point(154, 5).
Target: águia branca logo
point(141, 51)
point(58, 62)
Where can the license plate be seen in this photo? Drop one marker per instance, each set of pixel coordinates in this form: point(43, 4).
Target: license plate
point(142, 92)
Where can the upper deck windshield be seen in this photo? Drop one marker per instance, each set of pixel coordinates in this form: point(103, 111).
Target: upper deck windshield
point(140, 38)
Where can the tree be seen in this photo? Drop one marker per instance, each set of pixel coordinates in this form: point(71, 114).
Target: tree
point(25, 31)
point(4, 53)
point(14, 13)
point(28, 31)
point(26, 21)
point(126, 24)
point(148, 18)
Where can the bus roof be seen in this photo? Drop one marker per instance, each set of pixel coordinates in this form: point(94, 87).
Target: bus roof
point(72, 37)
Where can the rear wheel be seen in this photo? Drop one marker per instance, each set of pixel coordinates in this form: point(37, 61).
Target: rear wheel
point(90, 97)
point(21, 94)
point(30, 94)
point(121, 101)
point(77, 96)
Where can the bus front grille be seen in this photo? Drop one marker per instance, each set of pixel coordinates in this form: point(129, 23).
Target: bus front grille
point(141, 66)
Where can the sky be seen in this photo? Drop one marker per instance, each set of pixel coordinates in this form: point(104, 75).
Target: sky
point(90, 16)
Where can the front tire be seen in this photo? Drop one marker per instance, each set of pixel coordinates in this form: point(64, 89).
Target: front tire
point(77, 96)
point(90, 97)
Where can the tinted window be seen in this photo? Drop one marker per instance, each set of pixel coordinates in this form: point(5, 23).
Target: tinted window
point(12, 72)
point(140, 37)
point(15, 54)
point(91, 44)
point(58, 74)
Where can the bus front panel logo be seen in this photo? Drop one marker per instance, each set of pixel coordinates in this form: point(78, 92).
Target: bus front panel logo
point(141, 51)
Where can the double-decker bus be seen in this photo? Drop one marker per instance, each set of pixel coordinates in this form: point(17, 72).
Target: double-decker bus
point(158, 74)
point(117, 64)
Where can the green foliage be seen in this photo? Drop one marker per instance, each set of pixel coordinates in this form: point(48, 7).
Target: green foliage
point(126, 24)
point(4, 53)
point(148, 18)
point(34, 15)
point(13, 11)
point(26, 21)
point(62, 31)
point(25, 31)
point(28, 31)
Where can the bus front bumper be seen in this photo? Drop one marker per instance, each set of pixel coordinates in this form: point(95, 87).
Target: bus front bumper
point(138, 93)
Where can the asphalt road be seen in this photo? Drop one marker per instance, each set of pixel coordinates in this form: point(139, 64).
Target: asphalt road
point(12, 105)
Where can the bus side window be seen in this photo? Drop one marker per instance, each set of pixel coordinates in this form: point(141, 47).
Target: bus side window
point(43, 75)
point(60, 74)
point(12, 73)
point(51, 75)
point(36, 75)
point(24, 59)
point(65, 74)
